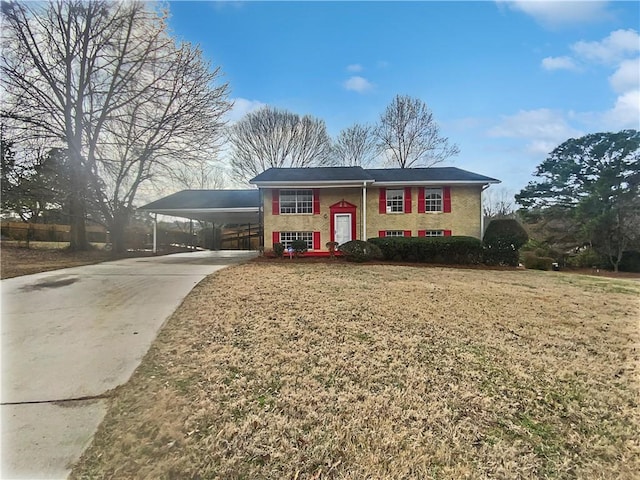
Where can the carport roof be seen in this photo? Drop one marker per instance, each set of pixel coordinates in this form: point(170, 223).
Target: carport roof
point(218, 206)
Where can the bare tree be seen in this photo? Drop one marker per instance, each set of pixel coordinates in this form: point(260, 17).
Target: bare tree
point(408, 135)
point(355, 146)
point(271, 137)
point(498, 203)
point(104, 80)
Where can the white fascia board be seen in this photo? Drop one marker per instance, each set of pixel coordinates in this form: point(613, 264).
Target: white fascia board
point(171, 211)
point(433, 182)
point(343, 184)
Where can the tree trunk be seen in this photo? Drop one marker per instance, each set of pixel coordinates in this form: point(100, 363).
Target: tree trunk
point(117, 229)
point(77, 209)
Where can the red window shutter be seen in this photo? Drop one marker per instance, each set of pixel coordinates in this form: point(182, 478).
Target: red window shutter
point(447, 233)
point(407, 200)
point(275, 202)
point(422, 233)
point(382, 233)
point(275, 238)
point(382, 207)
point(407, 233)
point(316, 240)
point(446, 201)
point(316, 201)
point(420, 199)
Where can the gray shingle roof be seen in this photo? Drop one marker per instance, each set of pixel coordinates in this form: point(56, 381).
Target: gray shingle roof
point(383, 175)
point(196, 199)
point(432, 174)
point(312, 174)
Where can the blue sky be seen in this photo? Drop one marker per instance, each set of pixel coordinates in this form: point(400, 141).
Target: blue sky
point(507, 81)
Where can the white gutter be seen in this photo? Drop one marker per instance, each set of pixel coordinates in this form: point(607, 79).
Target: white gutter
point(484, 187)
point(364, 211)
point(435, 182)
point(171, 211)
point(297, 185)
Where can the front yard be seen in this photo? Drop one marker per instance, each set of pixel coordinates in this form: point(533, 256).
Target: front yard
point(315, 371)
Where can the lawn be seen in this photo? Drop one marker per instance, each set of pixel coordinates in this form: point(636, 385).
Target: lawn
point(317, 371)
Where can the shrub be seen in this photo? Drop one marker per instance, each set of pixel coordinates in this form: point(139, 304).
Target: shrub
point(332, 246)
point(586, 258)
point(534, 262)
point(452, 250)
point(502, 241)
point(278, 249)
point(360, 251)
point(299, 246)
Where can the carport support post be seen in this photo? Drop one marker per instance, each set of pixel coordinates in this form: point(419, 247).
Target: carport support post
point(155, 233)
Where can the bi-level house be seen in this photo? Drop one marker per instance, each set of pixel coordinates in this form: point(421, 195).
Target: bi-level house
point(328, 204)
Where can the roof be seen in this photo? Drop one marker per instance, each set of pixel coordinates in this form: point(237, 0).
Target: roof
point(359, 175)
point(217, 206)
point(432, 174)
point(198, 199)
point(313, 174)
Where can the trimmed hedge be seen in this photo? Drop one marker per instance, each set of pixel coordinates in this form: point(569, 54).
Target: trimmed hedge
point(449, 250)
point(360, 251)
point(533, 262)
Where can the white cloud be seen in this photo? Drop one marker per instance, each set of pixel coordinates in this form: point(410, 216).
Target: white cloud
point(242, 106)
point(619, 50)
point(625, 113)
point(626, 77)
point(543, 129)
point(559, 13)
point(618, 45)
point(559, 63)
point(358, 84)
point(354, 67)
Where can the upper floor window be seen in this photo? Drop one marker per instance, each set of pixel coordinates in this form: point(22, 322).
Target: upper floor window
point(433, 199)
point(395, 200)
point(296, 201)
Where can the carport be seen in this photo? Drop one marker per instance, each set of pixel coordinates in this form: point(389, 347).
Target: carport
point(219, 207)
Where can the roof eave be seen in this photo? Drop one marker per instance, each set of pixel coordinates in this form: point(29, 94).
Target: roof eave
point(314, 183)
point(435, 182)
point(171, 211)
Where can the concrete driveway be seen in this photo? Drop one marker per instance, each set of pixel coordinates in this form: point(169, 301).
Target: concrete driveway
point(69, 336)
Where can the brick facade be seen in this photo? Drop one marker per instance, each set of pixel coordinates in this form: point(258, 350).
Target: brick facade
point(464, 218)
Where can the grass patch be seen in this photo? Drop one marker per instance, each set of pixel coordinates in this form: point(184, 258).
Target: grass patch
point(376, 371)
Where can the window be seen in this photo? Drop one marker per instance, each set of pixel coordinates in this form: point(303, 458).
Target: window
point(287, 237)
point(296, 201)
point(394, 233)
point(434, 233)
point(395, 201)
point(433, 199)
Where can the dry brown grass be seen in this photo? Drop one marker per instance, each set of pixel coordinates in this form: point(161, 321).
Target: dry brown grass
point(316, 371)
point(19, 260)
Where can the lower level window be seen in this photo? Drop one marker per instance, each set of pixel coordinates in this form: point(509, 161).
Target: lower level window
point(434, 233)
point(394, 233)
point(287, 237)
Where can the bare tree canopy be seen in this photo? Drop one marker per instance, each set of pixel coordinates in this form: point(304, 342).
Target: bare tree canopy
point(498, 203)
point(408, 135)
point(104, 80)
point(355, 146)
point(271, 137)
